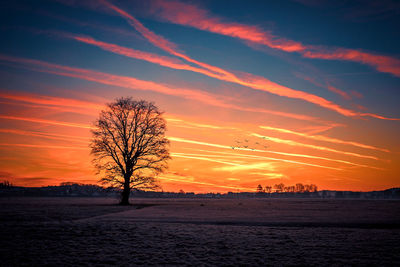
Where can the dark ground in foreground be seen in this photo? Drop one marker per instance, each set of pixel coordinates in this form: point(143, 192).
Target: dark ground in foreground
point(228, 232)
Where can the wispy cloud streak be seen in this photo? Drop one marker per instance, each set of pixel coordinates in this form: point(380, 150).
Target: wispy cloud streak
point(191, 156)
point(248, 80)
point(273, 159)
point(190, 15)
point(60, 102)
point(149, 57)
point(137, 84)
point(52, 136)
point(44, 146)
point(197, 125)
point(178, 139)
point(328, 86)
point(379, 62)
point(294, 143)
point(245, 79)
point(241, 155)
point(52, 101)
point(180, 123)
point(323, 138)
point(233, 165)
point(51, 122)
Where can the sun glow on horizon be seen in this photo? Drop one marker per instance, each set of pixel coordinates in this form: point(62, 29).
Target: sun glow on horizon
point(244, 104)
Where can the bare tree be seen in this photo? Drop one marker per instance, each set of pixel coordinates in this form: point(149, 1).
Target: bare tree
point(313, 188)
point(6, 184)
point(259, 189)
point(307, 188)
point(268, 189)
point(279, 187)
point(129, 145)
point(299, 188)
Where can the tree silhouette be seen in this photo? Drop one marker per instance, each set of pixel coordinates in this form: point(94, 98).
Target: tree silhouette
point(6, 184)
point(279, 187)
point(299, 188)
point(260, 189)
point(129, 145)
point(268, 189)
point(313, 188)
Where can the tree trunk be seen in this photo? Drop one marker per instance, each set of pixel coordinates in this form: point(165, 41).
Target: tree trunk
point(125, 193)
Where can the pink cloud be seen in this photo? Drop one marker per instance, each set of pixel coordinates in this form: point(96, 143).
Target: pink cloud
point(51, 101)
point(245, 79)
point(136, 84)
point(327, 86)
point(44, 121)
point(193, 16)
point(379, 62)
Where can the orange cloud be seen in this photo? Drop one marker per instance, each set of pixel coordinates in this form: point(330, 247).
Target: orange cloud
point(291, 155)
point(189, 124)
point(45, 146)
point(271, 176)
point(193, 16)
point(245, 79)
point(136, 84)
point(52, 101)
point(204, 157)
point(293, 143)
point(269, 158)
point(53, 136)
point(50, 107)
point(51, 122)
point(266, 166)
point(177, 139)
point(379, 62)
point(324, 138)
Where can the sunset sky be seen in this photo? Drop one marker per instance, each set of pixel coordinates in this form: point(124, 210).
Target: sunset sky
point(254, 92)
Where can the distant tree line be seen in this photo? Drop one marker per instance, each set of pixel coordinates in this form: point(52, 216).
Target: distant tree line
point(72, 189)
point(65, 189)
point(80, 189)
point(281, 188)
point(5, 184)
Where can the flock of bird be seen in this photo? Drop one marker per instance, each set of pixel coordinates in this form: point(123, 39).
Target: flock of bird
point(248, 145)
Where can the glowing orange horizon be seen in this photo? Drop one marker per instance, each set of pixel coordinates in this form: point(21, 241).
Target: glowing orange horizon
point(275, 110)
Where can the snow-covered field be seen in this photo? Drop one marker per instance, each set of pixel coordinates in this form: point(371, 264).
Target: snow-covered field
point(225, 232)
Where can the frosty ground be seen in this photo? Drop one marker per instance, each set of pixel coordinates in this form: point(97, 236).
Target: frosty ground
point(204, 232)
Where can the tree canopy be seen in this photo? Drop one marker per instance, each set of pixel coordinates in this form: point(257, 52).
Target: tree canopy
point(129, 145)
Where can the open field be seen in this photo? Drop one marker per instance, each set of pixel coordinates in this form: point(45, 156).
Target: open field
point(228, 232)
